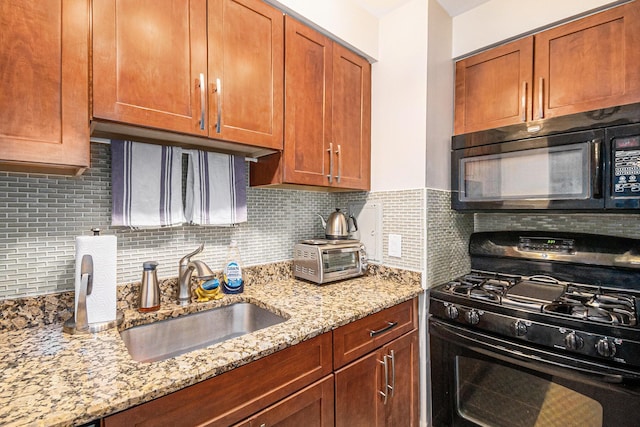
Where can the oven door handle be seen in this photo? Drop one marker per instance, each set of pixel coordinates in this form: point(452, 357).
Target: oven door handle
point(530, 358)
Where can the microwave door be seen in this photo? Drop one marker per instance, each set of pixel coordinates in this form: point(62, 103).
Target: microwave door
point(553, 177)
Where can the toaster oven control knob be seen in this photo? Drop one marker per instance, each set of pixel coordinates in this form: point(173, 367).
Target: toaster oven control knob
point(520, 328)
point(473, 317)
point(452, 312)
point(573, 341)
point(606, 347)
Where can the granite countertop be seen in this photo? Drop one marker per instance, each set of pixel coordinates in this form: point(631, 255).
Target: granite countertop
point(48, 378)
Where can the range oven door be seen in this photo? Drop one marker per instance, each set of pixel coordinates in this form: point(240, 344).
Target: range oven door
point(554, 172)
point(481, 380)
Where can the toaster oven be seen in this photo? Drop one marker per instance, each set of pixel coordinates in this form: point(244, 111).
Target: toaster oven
point(322, 261)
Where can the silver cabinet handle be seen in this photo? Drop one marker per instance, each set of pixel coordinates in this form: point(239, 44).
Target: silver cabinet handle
point(541, 98)
point(202, 100)
point(219, 95)
point(524, 101)
point(330, 150)
point(392, 387)
point(339, 163)
point(385, 366)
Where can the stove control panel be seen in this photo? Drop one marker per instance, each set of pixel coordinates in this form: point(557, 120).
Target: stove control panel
point(572, 339)
point(544, 244)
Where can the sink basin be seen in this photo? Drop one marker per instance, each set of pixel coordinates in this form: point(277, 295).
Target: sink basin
point(172, 337)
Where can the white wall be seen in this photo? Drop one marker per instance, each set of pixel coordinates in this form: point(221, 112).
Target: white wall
point(440, 81)
point(341, 19)
point(399, 100)
point(498, 20)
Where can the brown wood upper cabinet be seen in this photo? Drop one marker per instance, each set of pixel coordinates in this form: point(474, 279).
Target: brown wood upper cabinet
point(584, 65)
point(493, 88)
point(327, 139)
point(211, 69)
point(44, 101)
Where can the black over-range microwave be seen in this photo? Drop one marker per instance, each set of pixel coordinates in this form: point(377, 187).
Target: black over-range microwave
point(584, 162)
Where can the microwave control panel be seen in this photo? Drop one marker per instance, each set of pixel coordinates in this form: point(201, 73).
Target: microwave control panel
point(626, 167)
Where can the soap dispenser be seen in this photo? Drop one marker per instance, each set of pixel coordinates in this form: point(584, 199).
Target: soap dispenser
point(149, 299)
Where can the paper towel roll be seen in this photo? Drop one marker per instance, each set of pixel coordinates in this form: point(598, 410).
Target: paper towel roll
point(101, 304)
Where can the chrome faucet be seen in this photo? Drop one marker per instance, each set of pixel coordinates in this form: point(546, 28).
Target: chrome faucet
point(185, 272)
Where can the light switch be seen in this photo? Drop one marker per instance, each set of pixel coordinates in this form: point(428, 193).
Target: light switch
point(395, 245)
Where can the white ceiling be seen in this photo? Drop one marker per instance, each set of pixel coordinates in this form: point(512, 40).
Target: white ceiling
point(382, 7)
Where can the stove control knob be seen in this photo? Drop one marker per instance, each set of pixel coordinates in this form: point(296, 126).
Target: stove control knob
point(520, 328)
point(606, 347)
point(473, 317)
point(573, 341)
point(452, 312)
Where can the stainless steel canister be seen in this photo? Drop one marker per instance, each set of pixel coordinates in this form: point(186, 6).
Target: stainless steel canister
point(149, 299)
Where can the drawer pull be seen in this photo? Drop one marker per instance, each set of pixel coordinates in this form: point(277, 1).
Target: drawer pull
point(390, 325)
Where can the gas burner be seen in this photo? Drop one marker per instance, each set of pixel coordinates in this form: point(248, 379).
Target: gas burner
point(482, 286)
point(614, 309)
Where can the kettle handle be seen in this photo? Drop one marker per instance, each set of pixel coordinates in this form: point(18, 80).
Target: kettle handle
point(355, 223)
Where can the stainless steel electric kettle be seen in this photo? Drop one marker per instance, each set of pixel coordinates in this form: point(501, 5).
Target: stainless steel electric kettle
point(336, 227)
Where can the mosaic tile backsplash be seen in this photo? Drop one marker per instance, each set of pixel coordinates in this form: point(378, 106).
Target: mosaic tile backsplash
point(622, 225)
point(40, 216)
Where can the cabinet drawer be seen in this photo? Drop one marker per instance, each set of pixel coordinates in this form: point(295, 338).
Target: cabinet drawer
point(237, 394)
point(360, 337)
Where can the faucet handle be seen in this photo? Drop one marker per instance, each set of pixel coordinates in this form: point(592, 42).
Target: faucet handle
point(185, 259)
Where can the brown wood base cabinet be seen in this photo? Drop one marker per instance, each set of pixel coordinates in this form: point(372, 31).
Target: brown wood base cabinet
point(310, 407)
point(362, 374)
point(236, 395)
point(380, 388)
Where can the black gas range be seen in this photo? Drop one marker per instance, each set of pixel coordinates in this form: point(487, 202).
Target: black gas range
point(561, 308)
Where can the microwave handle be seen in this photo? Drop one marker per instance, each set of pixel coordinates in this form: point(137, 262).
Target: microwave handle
point(596, 167)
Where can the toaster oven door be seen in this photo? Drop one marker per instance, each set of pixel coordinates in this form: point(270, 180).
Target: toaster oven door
point(340, 260)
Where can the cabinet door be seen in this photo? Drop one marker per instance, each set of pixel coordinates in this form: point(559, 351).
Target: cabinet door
point(246, 72)
point(358, 386)
point(351, 119)
point(307, 150)
point(44, 101)
point(150, 63)
point(403, 408)
point(493, 88)
point(588, 64)
point(310, 407)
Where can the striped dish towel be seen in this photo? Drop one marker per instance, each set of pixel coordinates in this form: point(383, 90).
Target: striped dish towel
point(146, 185)
point(216, 189)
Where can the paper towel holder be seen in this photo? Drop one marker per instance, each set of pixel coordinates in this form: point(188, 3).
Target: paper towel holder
point(78, 323)
point(70, 325)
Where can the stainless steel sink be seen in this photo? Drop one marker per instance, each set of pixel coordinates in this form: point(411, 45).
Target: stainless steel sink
point(172, 337)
